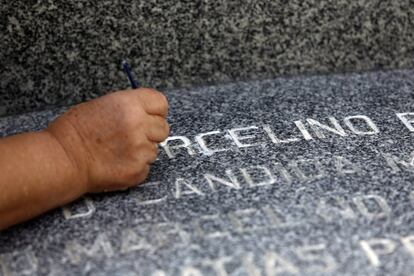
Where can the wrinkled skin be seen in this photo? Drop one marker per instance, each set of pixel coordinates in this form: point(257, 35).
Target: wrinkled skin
point(113, 140)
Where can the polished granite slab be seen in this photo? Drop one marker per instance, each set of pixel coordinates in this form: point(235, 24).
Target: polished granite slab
point(63, 52)
point(301, 175)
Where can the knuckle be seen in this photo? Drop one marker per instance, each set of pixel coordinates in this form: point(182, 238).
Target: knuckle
point(164, 127)
point(127, 178)
point(146, 90)
point(155, 148)
point(146, 171)
point(143, 174)
point(139, 112)
point(134, 119)
point(131, 180)
point(152, 156)
point(149, 92)
point(136, 176)
point(160, 98)
point(167, 129)
point(163, 102)
point(142, 102)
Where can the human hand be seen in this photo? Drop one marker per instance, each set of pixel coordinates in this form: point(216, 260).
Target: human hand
point(113, 140)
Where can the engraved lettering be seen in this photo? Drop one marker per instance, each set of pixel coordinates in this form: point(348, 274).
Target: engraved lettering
point(169, 233)
point(190, 271)
point(407, 119)
point(373, 129)
point(249, 265)
point(205, 149)
point(140, 196)
point(344, 166)
point(394, 163)
point(237, 138)
point(212, 179)
point(19, 263)
point(382, 209)
point(276, 140)
point(101, 247)
point(374, 248)
point(339, 206)
point(317, 126)
point(67, 213)
point(132, 242)
point(274, 217)
point(317, 173)
point(219, 265)
point(210, 227)
point(183, 187)
point(170, 150)
point(283, 172)
point(267, 176)
point(303, 130)
point(243, 220)
point(316, 254)
point(275, 264)
point(408, 243)
point(159, 273)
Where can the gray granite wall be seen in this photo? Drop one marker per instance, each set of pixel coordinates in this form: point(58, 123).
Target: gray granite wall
point(63, 52)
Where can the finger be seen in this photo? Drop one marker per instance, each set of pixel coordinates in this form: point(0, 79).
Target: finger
point(136, 174)
point(151, 153)
point(154, 102)
point(158, 129)
point(142, 175)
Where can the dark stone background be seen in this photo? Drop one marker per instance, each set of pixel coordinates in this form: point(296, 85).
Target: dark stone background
point(63, 52)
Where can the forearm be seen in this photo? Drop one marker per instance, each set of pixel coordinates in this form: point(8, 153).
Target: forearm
point(36, 175)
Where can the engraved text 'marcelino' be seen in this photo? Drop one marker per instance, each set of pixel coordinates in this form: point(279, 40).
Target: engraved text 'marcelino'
point(263, 134)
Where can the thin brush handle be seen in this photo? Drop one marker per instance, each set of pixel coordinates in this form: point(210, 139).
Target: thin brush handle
point(128, 72)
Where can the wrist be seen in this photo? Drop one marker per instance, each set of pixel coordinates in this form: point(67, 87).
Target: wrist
point(70, 148)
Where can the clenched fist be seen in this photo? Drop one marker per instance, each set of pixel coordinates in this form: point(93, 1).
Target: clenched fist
point(113, 140)
point(103, 145)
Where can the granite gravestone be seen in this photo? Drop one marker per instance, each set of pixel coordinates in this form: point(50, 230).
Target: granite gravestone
point(302, 175)
point(63, 52)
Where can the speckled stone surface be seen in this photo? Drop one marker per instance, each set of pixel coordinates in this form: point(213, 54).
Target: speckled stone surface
point(340, 202)
point(63, 52)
